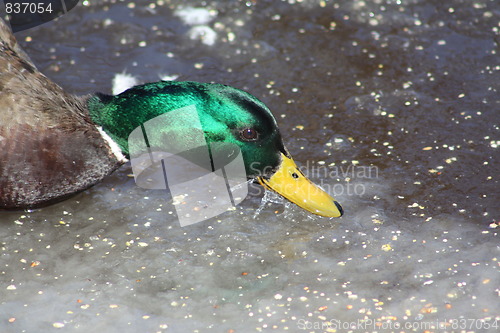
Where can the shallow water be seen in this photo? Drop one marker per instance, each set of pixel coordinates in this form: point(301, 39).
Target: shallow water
point(392, 106)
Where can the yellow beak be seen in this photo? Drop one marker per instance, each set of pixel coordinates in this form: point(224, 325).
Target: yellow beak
point(294, 186)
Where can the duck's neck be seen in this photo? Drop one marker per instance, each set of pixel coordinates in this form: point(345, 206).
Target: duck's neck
point(103, 115)
point(117, 120)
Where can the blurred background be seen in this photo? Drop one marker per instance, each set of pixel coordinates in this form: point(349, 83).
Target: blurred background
point(391, 105)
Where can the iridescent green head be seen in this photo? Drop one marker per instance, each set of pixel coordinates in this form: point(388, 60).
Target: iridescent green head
point(226, 114)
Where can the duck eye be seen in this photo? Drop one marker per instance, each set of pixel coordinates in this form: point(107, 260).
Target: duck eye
point(249, 134)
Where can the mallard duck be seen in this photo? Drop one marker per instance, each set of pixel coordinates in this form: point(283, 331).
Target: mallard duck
point(54, 145)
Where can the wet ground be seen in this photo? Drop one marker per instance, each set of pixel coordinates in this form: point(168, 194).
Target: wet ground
point(393, 106)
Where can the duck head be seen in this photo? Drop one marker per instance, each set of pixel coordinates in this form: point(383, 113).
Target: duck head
point(227, 115)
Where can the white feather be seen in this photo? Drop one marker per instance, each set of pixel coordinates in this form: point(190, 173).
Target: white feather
point(113, 145)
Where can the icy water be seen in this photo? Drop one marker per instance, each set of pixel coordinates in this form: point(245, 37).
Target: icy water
point(393, 106)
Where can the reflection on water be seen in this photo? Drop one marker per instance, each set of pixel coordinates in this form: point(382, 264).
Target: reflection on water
point(407, 89)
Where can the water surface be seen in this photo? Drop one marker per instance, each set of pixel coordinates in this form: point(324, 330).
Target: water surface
point(392, 106)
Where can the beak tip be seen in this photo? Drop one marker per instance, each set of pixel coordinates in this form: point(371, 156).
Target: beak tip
point(339, 207)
